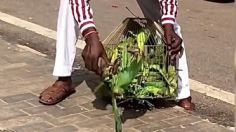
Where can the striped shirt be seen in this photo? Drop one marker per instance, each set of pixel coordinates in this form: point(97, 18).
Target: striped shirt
point(83, 13)
point(168, 10)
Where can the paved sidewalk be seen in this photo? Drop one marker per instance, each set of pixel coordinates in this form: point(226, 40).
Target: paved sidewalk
point(24, 74)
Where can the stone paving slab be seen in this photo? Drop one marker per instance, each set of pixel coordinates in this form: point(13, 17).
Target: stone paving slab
point(28, 74)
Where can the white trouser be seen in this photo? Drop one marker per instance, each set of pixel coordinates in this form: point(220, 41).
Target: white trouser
point(183, 81)
point(67, 35)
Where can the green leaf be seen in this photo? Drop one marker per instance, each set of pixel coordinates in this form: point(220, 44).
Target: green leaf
point(158, 84)
point(109, 52)
point(117, 115)
point(142, 38)
point(125, 77)
point(114, 55)
point(151, 90)
point(125, 58)
point(161, 71)
point(173, 91)
point(171, 71)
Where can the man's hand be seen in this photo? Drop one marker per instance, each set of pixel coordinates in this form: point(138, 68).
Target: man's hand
point(94, 53)
point(174, 42)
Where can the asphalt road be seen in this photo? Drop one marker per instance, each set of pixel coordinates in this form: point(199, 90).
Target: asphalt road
point(207, 30)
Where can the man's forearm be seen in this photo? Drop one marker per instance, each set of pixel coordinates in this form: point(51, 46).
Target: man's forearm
point(168, 10)
point(83, 14)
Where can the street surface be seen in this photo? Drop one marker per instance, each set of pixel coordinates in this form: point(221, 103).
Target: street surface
point(207, 30)
point(24, 74)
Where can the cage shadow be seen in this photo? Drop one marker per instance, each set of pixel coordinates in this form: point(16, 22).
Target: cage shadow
point(92, 81)
point(135, 110)
point(130, 110)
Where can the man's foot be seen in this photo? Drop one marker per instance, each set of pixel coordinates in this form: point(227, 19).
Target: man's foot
point(54, 94)
point(187, 104)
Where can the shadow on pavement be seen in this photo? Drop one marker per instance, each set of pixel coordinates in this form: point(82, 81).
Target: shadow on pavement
point(78, 76)
point(92, 80)
point(130, 109)
point(133, 110)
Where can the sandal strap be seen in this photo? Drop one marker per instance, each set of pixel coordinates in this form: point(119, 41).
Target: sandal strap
point(57, 91)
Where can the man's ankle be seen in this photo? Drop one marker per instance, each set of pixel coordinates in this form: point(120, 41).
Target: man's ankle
point(189, 98)
point(64, 78)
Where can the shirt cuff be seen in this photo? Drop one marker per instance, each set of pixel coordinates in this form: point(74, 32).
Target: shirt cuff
point(167, 19)
point(83, 25)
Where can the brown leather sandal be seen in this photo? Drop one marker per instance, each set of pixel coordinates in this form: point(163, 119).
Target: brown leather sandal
point(56, 93)
point(187, 104)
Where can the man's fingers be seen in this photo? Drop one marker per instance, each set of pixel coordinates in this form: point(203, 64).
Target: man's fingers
point(168, 40)
point(84, 52)
point(86, 58)
point(176, 42)
point(88, 64)
point(94, 64)
point(105, 59)
point(101, 64)
point(173, 57)
point(181, 52)
point(176, 50)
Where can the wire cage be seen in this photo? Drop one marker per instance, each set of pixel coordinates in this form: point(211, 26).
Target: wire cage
point(157, 69)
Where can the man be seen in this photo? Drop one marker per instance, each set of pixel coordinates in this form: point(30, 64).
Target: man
point(77, 14)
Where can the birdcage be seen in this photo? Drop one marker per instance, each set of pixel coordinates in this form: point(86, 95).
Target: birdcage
point(156, 76)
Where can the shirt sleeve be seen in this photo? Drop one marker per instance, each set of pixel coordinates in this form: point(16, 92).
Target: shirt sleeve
point(168, 10)
point(82, 13)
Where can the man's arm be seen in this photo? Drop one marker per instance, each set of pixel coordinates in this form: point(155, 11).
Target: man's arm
point(169, 12)
point(83, 14)
point(94, 51)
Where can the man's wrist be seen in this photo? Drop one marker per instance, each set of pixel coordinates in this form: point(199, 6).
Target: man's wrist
point(168, 26)
point(86, 31)
point(90, 33)
point(91, 36)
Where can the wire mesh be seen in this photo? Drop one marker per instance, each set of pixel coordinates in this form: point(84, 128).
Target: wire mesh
point(155, 51)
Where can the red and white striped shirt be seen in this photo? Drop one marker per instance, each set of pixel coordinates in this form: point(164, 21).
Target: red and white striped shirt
point(168, 10)
point(83, 13)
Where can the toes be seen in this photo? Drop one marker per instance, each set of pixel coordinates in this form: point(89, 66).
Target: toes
point(46, 98)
